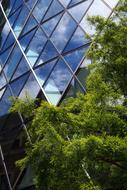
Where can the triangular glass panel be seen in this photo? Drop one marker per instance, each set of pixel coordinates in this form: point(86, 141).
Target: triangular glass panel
point(9, 41)
point(30, 3)
point(4, 55)
point(41, 8)
point(82, 75)
point(24, 41)
point(1, 92)
point(54, 9)
point(5, 102)
point(43, 71)
point(63, 32)
point(65, 2)
point(73, 89)
point(73, 2)
point(49, 26)
point(57, 82)
point(4, 34)
point(17, 28)
point(14, 17)
point(48, 53)
point(16, 5)
point(8, 7)
point(31, 23)
point(36, 45)
point(21, 69)
point(31, 88)
point(78, 39)
point(12, 62)
point(2, 80)
point(74, 58)
point(79, 10)
point(18, 84)
point(27, 180)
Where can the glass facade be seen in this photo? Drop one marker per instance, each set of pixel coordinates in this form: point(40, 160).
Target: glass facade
point(43, 46)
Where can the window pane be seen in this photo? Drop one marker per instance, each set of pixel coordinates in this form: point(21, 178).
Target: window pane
point(63, 31)
point(20, 21)
point(75, 57)
point(5, 103)
point(112, 3)
point(79, 10)
point(10, 40)
point(12, 62)
point(18, 84)
point(4, 34)
point(31, 88)
point(24, 41)
point(65, 2)
point(36, 46)
point(4, 55)
point(57, 82)
point(21, 69)
point(31, 23)
point(2, 80)
point(78, 39)
point(49, 26)
point(41, 8)
point(76, 1)
point(43, 71)
point(97, 8)
point(48, 53)
point(54, 9)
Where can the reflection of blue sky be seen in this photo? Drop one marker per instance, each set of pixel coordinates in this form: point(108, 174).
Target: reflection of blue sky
point(57, 81)
point(21, 69)
point(43, 71)
point(76, 1)
point(2, 80)
point(17, 85)
point(31, 88)
point(54, 9)
point(63, 31)
point(78, 39)
point(1, 92)
point(20, 21)
point(41, 8)
point(48, 53)
point(24, 41)
point(4, 34)
point(65, 2)
point(74, 58)
point(12, 62)
point(36, 46)
point(4, 102)
point(31, 23)
point(4, 56)
point(50, 24)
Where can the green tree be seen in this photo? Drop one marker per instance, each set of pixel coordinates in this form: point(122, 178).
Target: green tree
point(82, 145)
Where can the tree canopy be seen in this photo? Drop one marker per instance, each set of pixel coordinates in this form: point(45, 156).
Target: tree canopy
point(82, 144)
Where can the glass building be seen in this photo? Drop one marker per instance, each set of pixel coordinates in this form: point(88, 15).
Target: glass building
point(42, 53)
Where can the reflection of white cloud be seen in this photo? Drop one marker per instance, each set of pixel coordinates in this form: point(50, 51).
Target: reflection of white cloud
point(63, 31)
point(4, 33)
point(97, 8)
point(64, 2)
point(78, 11)
point(112, 3)
point(31, 88)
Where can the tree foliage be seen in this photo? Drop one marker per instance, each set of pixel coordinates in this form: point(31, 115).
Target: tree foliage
point(82, 145)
